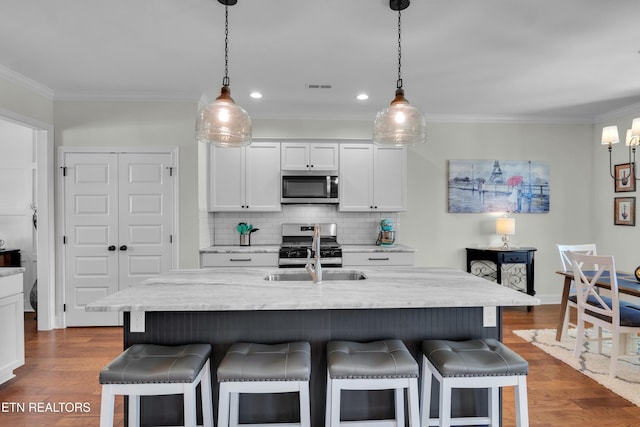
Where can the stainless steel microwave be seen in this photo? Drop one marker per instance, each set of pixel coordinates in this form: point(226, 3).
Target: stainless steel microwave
point(309, 187)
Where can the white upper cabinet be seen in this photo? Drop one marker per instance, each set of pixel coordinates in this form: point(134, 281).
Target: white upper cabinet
point(309, 156)
point(373, 178)
point(245, 179)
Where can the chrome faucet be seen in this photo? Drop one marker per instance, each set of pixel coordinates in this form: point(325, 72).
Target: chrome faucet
point(314, 268)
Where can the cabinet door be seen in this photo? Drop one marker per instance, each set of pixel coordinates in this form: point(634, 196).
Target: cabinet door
point(323, 156)
point(295, 156)
point(226, 179)
point(390, 178)
point(262, 187)
point(356, 177)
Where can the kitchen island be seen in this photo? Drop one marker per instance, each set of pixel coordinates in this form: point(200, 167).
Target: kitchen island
point(226, 305)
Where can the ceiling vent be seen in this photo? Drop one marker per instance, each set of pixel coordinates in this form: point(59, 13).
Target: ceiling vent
point(318, 86)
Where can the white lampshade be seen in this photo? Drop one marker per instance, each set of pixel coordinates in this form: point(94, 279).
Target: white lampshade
point(610, 135)
point(506, 226)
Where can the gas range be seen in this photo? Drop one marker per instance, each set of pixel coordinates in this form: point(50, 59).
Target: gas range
point(297, 238)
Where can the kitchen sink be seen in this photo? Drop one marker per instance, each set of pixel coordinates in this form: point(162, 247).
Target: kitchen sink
point(303, 276)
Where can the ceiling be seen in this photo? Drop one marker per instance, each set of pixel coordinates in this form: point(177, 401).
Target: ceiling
point(569, 60)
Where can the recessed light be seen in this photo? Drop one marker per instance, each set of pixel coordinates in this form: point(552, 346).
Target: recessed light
point(362, 97)
point(255, 95)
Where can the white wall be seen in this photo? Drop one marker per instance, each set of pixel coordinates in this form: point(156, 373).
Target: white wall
point(623, 242)
point(17, 192)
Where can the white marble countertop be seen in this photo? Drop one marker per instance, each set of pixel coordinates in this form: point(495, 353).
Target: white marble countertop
point(227, 289)
point(10, 271)
point(236, 249)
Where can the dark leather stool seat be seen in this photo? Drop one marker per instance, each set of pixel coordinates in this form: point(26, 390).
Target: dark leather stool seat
point(480, 363)
point(378, 365)
point(260, 362)
point(149, 363)
point(149, 369)
point(263, 368)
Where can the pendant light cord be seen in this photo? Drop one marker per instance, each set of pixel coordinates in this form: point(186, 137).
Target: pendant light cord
point(399, 82)
point(225, 80)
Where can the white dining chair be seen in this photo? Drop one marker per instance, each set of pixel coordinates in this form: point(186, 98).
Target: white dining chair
point(587, 249)
point(610, 313)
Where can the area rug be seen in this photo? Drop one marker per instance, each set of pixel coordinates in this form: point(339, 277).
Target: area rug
point(590, 363)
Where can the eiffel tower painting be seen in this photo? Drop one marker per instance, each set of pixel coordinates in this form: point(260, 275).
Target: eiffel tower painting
point(520, 186)
point(496, 175)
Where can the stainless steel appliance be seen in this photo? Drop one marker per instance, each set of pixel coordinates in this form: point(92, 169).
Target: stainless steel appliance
point(309, 187)
point(297, 238)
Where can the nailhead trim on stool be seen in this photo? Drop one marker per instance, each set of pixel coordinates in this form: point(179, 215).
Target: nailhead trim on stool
point(263, 368)
point(378, 365)
point(480, 363)
point(154, 370)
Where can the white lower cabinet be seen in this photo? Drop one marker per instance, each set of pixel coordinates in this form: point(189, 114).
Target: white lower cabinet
point(375, 259)
point(12, 321)
point(239, 260)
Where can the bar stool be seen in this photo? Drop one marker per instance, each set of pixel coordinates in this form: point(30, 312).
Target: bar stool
point(153, 370)
point(378, 365)
point(263, 368)
point(480, 363)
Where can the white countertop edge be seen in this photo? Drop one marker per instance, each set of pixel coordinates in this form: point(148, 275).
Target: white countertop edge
point(244, 289)
point(10, 271)
point(236, 249)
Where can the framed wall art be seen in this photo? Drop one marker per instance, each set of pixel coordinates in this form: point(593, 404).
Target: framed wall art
point(625, 177)
point(624, 211)
point(498, 186)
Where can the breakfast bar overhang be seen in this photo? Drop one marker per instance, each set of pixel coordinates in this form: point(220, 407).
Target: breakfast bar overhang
point(223, 306)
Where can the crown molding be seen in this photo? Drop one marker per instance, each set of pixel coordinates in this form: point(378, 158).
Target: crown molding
point(629, 109)
point(126, 97)
point(17, 78)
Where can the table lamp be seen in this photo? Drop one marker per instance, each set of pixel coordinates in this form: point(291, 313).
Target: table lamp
point(506, 227)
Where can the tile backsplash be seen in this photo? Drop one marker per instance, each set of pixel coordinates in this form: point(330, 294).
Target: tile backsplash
point(360, 228)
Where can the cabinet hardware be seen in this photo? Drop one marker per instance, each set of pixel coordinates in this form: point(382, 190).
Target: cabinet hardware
point(379, 259)
point(239, 259)
point(123, 247)
point(111, 248)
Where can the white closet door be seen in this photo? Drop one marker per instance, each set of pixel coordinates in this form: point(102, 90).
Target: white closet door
point(91, 230)
point(146, 216)
point(119, 222)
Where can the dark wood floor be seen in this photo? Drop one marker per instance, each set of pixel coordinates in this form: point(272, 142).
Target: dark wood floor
point(58, 386)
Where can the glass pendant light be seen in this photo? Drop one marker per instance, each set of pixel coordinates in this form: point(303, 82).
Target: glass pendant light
point(223, 122)
point(399, 124)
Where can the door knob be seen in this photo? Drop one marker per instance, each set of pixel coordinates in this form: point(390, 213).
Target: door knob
point(123, 247)
point(111, 248)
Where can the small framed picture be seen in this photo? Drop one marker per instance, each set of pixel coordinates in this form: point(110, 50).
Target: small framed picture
point(625, 177)
point(624, 211)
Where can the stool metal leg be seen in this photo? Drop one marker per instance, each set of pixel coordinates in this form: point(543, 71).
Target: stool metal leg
point(399, 398)
point(494, 406)
point(522, 407)
point(134, 410)
point(189, 403)
point(305, 405)
point(107, 406)
point(425, 406)
point(445, 404)
point(223, 405)
point(234, 409)
point(205, 392)
point(412, 400)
